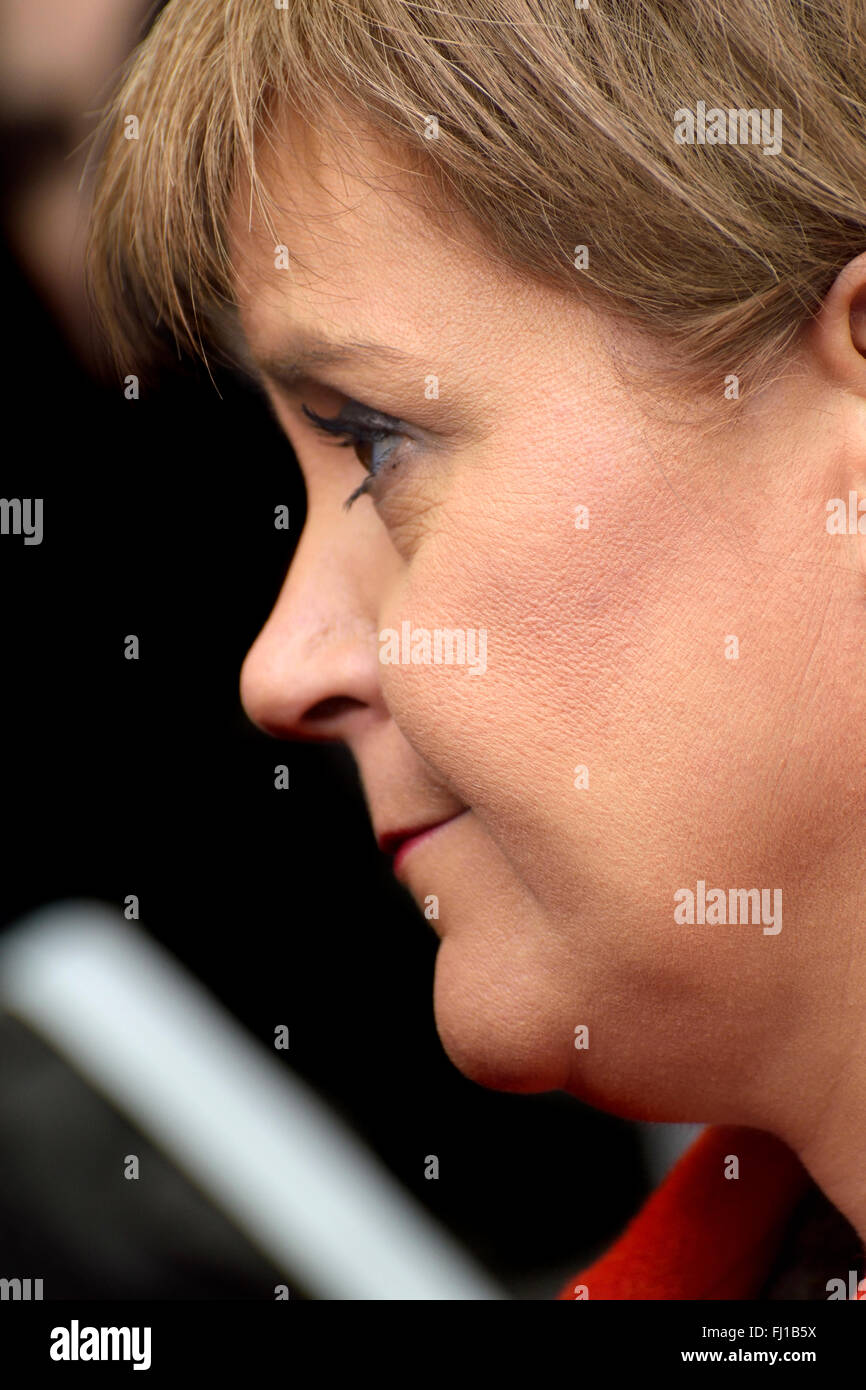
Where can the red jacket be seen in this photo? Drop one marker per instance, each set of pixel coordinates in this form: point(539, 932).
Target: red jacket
point(702, 1235)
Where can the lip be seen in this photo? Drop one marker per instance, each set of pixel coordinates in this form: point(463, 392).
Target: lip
point(400, 843)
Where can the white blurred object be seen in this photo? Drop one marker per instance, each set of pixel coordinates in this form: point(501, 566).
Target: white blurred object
point(243, 1127)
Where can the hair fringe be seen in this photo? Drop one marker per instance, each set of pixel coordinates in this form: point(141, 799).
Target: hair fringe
point(556, 129)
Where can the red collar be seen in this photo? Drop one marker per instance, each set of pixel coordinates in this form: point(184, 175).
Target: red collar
point(702, 1235)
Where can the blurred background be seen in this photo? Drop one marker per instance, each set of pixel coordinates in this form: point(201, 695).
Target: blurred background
point(144, 777)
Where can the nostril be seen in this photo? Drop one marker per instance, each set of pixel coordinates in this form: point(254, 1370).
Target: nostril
point(331, 708)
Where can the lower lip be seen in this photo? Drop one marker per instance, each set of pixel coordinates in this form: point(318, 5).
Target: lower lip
point(408, 845)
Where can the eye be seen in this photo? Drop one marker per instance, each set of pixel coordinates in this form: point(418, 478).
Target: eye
point(373, 436)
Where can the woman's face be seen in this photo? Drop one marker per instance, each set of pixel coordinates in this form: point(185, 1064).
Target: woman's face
point(672, 686)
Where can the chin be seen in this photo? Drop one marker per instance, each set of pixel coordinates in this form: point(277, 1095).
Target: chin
point(489, 1029)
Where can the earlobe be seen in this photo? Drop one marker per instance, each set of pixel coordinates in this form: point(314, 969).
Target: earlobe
point(838, 335)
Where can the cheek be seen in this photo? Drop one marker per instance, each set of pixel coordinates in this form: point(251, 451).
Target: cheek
point(609, 734)
point(575, 620)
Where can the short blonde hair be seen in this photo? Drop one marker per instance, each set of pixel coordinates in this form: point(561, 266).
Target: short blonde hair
point(555, 129)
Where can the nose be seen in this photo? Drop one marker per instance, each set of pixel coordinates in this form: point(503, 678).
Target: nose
point(313, 671)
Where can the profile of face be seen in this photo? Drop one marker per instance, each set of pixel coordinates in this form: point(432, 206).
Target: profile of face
point(659, 686)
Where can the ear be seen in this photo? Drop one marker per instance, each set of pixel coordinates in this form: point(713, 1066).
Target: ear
point(838, 348)
point(838, 332)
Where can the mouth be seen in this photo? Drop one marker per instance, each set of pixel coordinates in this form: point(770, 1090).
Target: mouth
point(400, 843)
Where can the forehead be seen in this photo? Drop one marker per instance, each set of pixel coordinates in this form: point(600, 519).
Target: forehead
point(352, 251)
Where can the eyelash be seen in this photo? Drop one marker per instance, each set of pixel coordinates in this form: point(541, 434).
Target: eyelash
point(369, 427)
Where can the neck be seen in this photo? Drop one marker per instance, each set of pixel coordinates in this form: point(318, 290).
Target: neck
point(829, 1136)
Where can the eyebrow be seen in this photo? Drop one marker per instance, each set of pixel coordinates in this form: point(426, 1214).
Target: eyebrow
point(305, 357)
point(298, 360)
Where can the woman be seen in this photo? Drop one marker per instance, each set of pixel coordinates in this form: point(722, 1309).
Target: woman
point(582, 291)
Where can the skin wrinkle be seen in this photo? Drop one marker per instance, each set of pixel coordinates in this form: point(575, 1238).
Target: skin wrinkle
point(606, 647)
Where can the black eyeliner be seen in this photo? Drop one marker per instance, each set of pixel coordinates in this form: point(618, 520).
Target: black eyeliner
point(359, 424)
